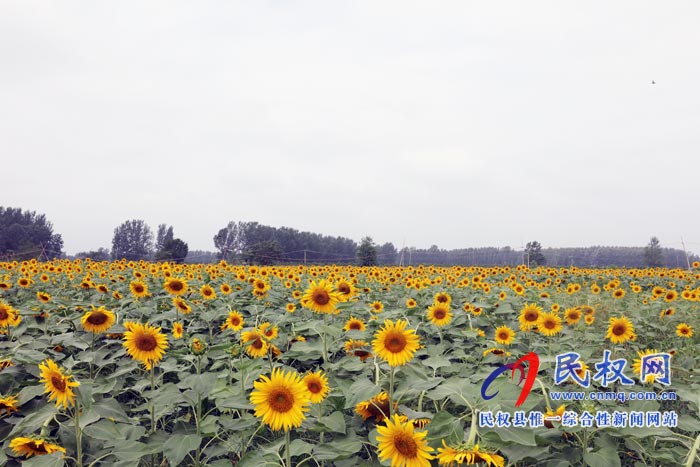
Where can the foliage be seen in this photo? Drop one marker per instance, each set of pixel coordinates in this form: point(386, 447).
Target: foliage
point(533, 254)
point(101, 254)
point(367, 252)
point(653, 256)
point(169, 248)
point(133, 240)
point(264, 252)
point(26, 234)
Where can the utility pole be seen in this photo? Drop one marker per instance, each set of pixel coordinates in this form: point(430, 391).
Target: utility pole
point(687, 260)
point(305, 256)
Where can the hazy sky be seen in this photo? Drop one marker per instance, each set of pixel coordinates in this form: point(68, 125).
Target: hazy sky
point(451, 123)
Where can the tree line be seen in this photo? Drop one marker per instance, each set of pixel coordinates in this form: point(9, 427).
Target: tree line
point(26, 234)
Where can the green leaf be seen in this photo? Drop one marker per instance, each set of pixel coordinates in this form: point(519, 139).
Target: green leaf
point(602, 458)
point(201, 384)
point(28, 393)
point(47, 460)
point(177, 446)
point(436, 362)
point(445, 426)
point(337, 449)
point(334, 422)
point(110, 409)
point(359, 391)
point(299, 447)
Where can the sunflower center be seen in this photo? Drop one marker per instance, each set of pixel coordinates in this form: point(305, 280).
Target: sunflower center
point(3, 313)
point(344, 289)
point(395, 342)
point(531, 316)
point(550, 324)
point(260, 285)
point(97, 318)
point(619, 329)
point(441, 299)
point(281, 400)
point(406, 445)
point(257, 344)
point(176, 286)
point(321, 297)
point(58, 383)
point(38, 448)
point(235, 321)
point(503, 336)
point(314, 387)
point(138, 288)
point(146, 343)
point(355, 325)
point(439, 313)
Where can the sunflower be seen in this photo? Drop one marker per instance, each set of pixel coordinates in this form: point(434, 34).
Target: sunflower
point(620, 330)
point(670, 296)
point(268, 331)
point(56, 384)
point(9, 404)
point(497, 352)
point(182, 306)
point(439, 313)
point(234, 321)
point(504, 335)
point(618, 293)
point(175, 286)
point(138, 289)
point(345, 290)
point(395, 344)
point(207, 292)
point(572, 315)
point(116, 295)
point(145, 343)
point(25, 282)
point(280, 400)
point(317, 385)
point(43, 297)
point(29, 447)
point(684, 330)
point(558, 413)
point(589, 319)
point(8, 316)
point(358, 349)
point(400, 442)
point(443, 298)
point(225, 289)
point(376, 307)
point(290, 307)
point(177, 330)
point(411, 303)
point(354, 324)
point(549, 324)
point(320, 297)
point(463, 454)
point(255, 344)
point(637, 366)
point(102, 288)
point(377, 407)
point(98, 320)
point(667, 312)
point(529, 316)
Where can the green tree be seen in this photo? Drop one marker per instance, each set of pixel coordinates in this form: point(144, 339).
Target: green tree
point(101, 254)
point(173, 249)
point(132, 240)
point(653, 257)
point(387, 253)
point(367, 252)
point(26, 235)
point(533, 254)
point(164, 235)
point(265, 252)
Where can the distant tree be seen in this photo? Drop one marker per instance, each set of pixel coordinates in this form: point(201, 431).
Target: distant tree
point(173, 250)
point(26, 235)
point(231, 240)
point(367, 252)
point(265, 252)
point(101, 254)
point(132, 240)
point(387, 253)
point(164, 235)
point(653, 257)
point(533, 254)
point(201, 257)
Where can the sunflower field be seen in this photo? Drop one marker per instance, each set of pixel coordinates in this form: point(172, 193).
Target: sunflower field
point(158, 364)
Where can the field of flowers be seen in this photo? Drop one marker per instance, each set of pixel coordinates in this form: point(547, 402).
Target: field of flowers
point(157, 364)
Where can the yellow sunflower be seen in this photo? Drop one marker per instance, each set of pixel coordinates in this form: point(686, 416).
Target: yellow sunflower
point(255, 344)
point(443, 298)
point(208, 292)
point(57, 385)
point(529, 316)
point(376, 307)
point(394, 343)
point(225, 289)
point(280, 400)
point(145, 343)
point(497, 352)
point(98, 320)
point(504, 335)
point(411, 303)
point(572, 315)
point(43, 297)
point(177, 330)
point(182, 306)
point(637, 366)
point(354, 324)
point(320, 297)
point(377, 407)
point(463, 454)
point(345, 289)
point(317, 385)
point(290, 307)
point(400, 442)
point(268, 331)
point(29, 447)
point(620, 330)
point(549, 324)
point(557, 413)
point(9, 404)
point(176, 286)
point(138, 289)
point(358, 349)
point(234, 321)
point(8, 315)
point(439, 313)
point(684, 330)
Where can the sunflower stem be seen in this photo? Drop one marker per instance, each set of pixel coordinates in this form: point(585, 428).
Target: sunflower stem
point(472, 429)
point(288, 456)
point(78, 436)
point(153, 411)
point(323, 338)
point(391, 392)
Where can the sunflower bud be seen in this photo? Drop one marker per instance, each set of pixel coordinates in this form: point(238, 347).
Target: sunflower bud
point(197, 347)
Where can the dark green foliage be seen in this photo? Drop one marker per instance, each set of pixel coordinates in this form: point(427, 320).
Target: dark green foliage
point(367, 252)
point(101, 254)
point(387, 254)
point(26, 235)
point(174, 250)
point(265, 252)
point(132, 240)
point(533, 254)
point(653, 257)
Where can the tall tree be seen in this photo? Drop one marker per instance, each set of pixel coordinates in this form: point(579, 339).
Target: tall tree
point(367, 252)
point(132, 240)
point(164, 235)
point(230, 241)
point(533, 254)
point(26, 235)
point(653, 257)
point(173, 249)
point(387, 253)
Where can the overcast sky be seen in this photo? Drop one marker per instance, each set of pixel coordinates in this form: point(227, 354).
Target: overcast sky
point(451, 123)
